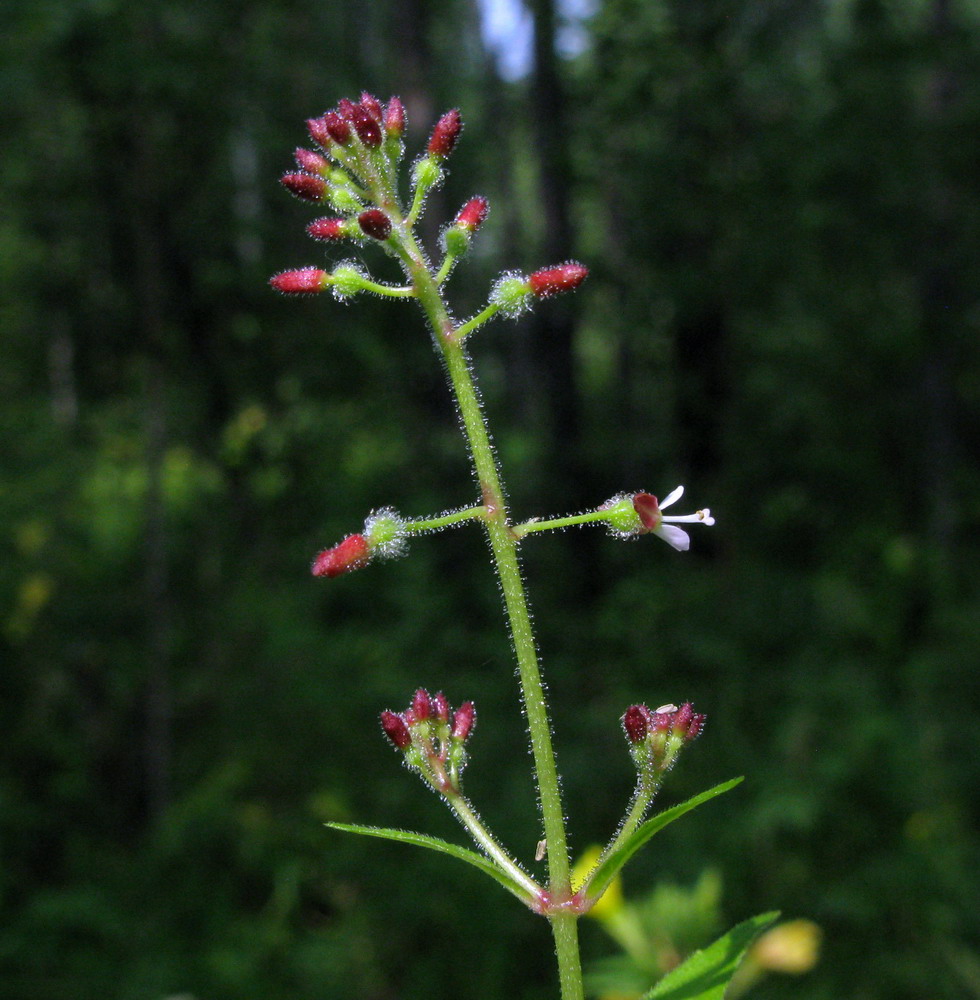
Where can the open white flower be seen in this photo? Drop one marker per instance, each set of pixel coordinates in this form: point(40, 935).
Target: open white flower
point(653, 520)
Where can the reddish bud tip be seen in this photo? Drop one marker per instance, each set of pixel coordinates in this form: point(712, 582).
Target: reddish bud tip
point(367, 127)
point(552, 280)
point(646, 506)
point(396, 729)
point(440, 707)
point(472, 214)
point(317, 127)
point(463, 721)
point(395, 118)
point(303, 185)
point(351, 553)
point(327, 229)
point(636, 722)
point(375, 223)
point(421, 705)
point(337, 128)
point(345, 108)
point(688, 724)
point(445, 134)
point(372, 106)
point(302, 281)
point(312, 163)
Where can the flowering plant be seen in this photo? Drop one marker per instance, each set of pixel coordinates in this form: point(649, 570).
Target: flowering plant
point(354, 171)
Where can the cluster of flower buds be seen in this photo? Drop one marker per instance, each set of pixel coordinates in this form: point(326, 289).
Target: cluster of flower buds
point(383, 538)
point(514, 293)
point(631, 514)
point(432, 737)
point(656, 737)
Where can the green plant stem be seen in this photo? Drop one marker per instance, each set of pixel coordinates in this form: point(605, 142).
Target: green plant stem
point(560, 522)
point(503, 545)
point(427, 524)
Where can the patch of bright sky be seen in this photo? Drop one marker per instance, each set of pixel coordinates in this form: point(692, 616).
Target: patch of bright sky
point(509, 33)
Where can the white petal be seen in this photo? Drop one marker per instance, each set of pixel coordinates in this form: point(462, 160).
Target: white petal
point(675, 537)
point(671, 497)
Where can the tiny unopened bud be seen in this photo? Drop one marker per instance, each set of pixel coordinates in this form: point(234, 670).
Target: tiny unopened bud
point(395, 118)
point(337, 128)
point(304, 185)
point(312, 163)
point(636, 723)
point(440, 707)
point(396, 729)
point(421, 705)
point(463, 721)
point(328, 229)
point(552, 280)
point(445, 134)
point(375, 223)
point(345, 108)
point(352, 553)
point(472, 214)
point(317, 127)
point(372, 105)
point(301, 281)
point(367, 127)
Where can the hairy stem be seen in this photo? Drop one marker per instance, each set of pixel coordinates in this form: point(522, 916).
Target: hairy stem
point(503, 545)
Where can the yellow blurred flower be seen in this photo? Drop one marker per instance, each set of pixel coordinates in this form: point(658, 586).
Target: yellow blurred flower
point(612, 901)
point(792, 947)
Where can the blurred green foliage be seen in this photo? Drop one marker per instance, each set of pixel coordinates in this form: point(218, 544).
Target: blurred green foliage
point(781, 209)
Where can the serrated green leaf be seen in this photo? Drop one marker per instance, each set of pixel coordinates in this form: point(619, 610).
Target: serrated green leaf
point(610, 865)
point(705, 974)
point(442, 847)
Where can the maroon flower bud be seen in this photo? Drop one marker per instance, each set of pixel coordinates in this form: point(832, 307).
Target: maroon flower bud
point(396, 729)
point(302, 281)
point(352, 553)
point(421, 705)
point(375, 223)
point(345, 108)
point(366, 126)
point(636, 722)
point(472, 214)
point(395, 118)
point(327, 229)
point(306, 186)
point(463, 721)
point(372, 106)
point(317, 127)
point(445, 134)
point(312, 163)
point(440, 707)
point(688, 724)
point(552, 280)
point(337, 128)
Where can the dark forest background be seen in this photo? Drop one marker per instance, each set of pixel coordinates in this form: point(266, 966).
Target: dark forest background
point(780, 206)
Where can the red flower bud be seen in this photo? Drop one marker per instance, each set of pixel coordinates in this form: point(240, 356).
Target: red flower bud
point(375, 223)
point(345, 108)
point(440, 707)
point(302, 281)
point(337, 128)
point(312, 163)
point(306, 186)
point(351, 553)
point(687, 723)
point(372, 106)
point(472, 214)
point(396, 729)
point(463, 721)
point(552, 280)
point(395, 118)
point(366, 126)
point(636, 722)
point(421, 705)
point(445, 134)
point(327, 229)
point(317, 127)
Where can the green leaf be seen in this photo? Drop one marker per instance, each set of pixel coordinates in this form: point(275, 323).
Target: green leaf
point(607, 869)
point(705, 974)
point(443, 847)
